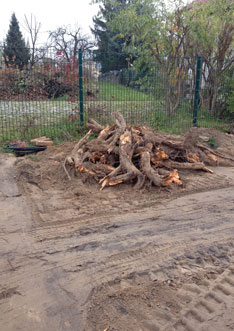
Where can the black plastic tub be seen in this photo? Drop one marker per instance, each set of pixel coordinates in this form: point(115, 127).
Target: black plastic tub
point(21, 151)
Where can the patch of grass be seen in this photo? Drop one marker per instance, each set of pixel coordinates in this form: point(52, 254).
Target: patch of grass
point(3, 150)
point(58, 133)
point(212, 142)
point(118, 92)
point(178, 123)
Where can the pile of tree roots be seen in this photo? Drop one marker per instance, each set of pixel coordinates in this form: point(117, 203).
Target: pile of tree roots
point(135, 154)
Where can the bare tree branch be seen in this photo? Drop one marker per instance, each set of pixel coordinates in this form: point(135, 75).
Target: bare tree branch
point(33, 28)
point(69, 40)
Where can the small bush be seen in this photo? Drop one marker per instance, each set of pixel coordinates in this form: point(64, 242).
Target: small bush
point(42, 81)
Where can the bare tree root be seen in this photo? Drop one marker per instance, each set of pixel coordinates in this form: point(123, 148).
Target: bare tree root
point(133, 154)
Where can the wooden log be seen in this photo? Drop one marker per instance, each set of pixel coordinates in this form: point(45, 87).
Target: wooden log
point(94, 126)
point(207, 149)
point(105, 181)
point(125, 154)
point(184, 165)
point(76, 157)
point(147, 170)
point(42, 141)
point(121, 126)
point(151, 137)
point(126, 171)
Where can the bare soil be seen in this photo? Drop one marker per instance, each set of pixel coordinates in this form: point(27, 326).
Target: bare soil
point(75, 258)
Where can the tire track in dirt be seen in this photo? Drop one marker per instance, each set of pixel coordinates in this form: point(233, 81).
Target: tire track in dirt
point(149, 251)
point(199, 306)
point(155, 229)
point(207, 305)
point(200, 242)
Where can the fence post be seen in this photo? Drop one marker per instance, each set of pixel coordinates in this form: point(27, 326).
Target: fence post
point(81, 96)
point(197, 88)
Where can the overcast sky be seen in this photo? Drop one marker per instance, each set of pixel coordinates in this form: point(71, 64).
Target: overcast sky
point(50, 13)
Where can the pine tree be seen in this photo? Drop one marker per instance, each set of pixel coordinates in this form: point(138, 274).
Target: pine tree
point(110, 48)
point(15, 51)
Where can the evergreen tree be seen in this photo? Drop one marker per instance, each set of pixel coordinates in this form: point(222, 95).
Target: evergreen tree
point(15, 51)
point(110, 47)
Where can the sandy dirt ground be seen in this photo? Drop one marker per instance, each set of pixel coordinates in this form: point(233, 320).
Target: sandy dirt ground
point(74, 258)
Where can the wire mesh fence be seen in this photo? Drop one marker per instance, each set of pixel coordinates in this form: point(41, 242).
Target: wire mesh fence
point(142, 97)
point(40, 98)
point(49, 96)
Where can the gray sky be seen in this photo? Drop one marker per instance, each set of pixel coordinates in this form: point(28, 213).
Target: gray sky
point(50, 13)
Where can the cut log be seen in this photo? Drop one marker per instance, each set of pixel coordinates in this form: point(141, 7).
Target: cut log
point(128, 169)
point(151, 137)
point(126, 149)
point(147, 170)
point(42, 141)
point(106, 132)
point(94, 126)
point(177, 165)
point(207, 149)
point(75, 158)
point(121, 127)
point(106, 180)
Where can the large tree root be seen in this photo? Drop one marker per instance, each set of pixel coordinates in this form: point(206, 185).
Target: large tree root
point(121, 154)
point(94, 126)
point(146, 167)
point(177, 165)
point(76, 157)
point(210, 152)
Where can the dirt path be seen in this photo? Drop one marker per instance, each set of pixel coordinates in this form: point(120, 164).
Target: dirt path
point(169, 266)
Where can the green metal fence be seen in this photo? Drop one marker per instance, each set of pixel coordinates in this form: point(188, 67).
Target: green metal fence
point(56, 95)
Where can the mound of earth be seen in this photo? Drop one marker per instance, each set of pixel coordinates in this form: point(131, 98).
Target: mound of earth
point(45, 171)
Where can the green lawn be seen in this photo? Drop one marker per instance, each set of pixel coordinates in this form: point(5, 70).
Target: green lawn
point(117, 92)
